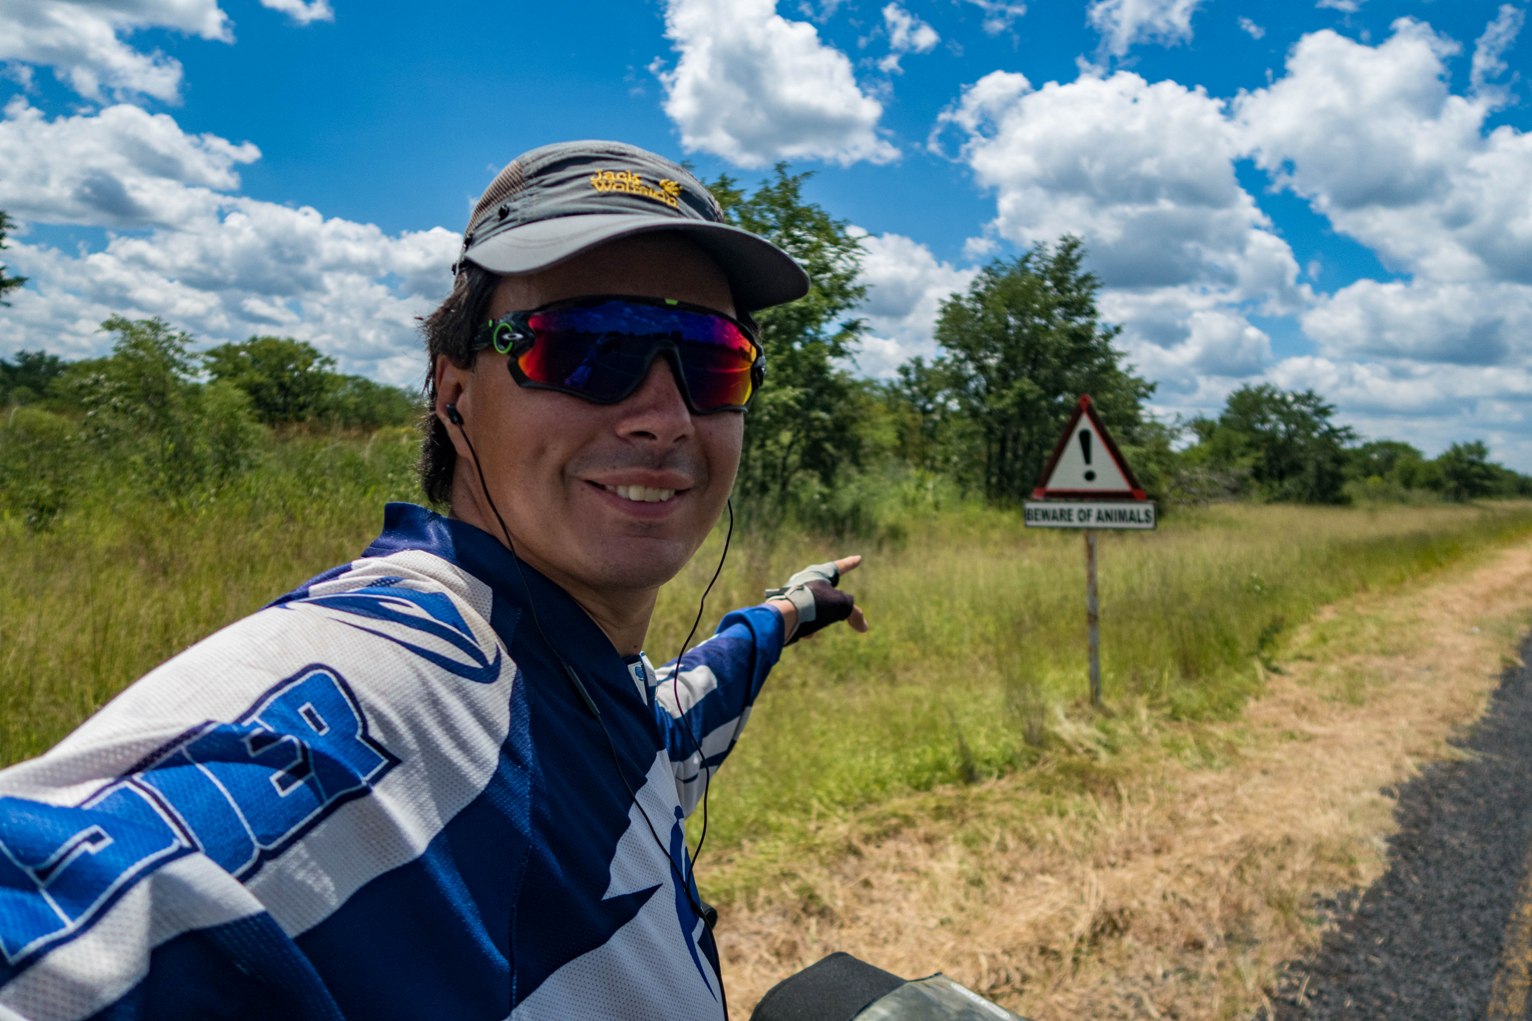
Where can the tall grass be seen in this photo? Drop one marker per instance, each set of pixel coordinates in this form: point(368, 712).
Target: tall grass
point(977, 660)
point(975, 664)
point(123, 580)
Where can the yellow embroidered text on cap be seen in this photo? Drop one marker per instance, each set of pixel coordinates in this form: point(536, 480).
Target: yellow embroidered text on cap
point(668, 193)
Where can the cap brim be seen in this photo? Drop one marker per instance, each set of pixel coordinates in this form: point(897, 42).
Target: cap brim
point(760, 274)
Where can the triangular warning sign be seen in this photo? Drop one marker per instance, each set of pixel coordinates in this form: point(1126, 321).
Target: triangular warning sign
point(1086, 463)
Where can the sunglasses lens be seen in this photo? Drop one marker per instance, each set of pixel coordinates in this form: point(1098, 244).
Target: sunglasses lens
point(718, 377)
point(603, 351)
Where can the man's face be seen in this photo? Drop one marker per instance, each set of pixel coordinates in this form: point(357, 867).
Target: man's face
point(609, 501)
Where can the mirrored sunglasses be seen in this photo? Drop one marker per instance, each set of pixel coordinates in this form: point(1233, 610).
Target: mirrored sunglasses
point(601, 348)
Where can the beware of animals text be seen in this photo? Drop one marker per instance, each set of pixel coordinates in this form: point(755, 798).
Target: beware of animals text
point(1077, 514)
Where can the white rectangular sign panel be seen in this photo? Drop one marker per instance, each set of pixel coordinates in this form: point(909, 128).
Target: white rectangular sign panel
point(1089, 514)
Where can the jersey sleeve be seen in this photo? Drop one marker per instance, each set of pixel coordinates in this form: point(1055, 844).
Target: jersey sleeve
point(703, 705)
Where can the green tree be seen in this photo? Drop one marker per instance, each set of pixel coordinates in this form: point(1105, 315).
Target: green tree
point(1018, 349)
point(7, 282)
point(146, 419)
point(28, 377)
point(1150, 449)
point(229, 433)
point(1390, 470)
point(286, 380)
point(936, 436)
point(1466, 471)
point(1391, 461)
point(802, 428)
point(923, 392)
point(1286, 440)
point(358, 403)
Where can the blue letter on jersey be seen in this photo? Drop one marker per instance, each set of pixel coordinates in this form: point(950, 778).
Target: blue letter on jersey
point(242, 790)
point(59, 865)
point(297, 755)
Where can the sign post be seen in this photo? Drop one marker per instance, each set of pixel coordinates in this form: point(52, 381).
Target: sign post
point(1087, 484)
point(1093, 616)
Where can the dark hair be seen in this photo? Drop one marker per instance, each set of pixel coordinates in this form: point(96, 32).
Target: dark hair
point(449, 332)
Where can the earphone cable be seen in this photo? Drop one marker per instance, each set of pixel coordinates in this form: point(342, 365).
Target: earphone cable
point(675, 688)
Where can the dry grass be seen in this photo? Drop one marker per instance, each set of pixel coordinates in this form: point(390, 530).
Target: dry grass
point(1191, 870)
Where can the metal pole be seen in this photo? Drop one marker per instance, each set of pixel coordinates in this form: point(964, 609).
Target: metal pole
point(1093, 617)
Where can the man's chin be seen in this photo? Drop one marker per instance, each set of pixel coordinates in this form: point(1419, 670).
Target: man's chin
point(637, 565)
point(641, 577)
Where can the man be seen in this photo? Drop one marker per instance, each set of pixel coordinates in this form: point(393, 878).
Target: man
point(442, 780)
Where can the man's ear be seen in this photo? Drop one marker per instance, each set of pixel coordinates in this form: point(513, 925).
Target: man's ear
point(449, 385)
point(451, 390)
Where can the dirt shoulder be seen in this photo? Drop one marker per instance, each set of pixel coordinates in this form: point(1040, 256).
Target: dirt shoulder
point(1174, 880)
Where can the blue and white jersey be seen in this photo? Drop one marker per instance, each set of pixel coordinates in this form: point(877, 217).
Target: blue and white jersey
point(380, 797)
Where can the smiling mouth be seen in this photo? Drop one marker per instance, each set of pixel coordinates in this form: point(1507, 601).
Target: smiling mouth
point(641, 494)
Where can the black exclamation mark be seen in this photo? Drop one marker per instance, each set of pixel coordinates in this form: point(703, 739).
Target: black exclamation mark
point(1090, 476)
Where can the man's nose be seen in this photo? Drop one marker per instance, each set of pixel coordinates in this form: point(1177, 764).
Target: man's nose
point(656, 411)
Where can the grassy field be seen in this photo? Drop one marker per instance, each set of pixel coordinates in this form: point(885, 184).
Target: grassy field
point(1185, 870)
point(975, 665)
point(122, 581)
point(893, 789)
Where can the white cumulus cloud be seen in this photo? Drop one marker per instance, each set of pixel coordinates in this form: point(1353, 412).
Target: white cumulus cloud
point(1124, 24)
point(1489, 55)
point(219, 265)
point(120, 167)
point(906, 34)
point(1192, 344)
point(999, 15)
point(256, 268)
point(1374, 140)
point(1222, 343)
point(1144, 173)
point(302, 11)
point(1476, 323)
point(754, 87)
point(82, 42)
point(906, 285)
point(1427, 406)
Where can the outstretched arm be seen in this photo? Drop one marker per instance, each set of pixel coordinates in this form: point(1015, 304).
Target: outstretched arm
point(704, 699)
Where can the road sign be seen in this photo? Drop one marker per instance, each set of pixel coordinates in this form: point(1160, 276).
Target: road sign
point(1086, 484)
point(1086, 464)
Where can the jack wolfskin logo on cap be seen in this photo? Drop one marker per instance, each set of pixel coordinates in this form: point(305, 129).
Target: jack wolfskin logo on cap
point(668, 192)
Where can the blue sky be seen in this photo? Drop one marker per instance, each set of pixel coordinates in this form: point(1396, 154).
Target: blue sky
point(1320, 194)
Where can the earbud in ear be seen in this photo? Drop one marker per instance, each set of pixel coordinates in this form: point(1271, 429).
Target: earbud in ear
point(453, 416)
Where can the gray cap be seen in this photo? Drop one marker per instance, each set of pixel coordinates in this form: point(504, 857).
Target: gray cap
point(554, 202)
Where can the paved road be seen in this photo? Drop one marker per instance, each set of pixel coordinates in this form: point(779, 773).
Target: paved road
point(1447, 932)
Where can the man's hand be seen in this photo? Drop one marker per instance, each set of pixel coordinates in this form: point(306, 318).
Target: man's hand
point(810, 601)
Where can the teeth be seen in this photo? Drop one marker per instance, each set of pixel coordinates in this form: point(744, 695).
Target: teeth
point(642, 494)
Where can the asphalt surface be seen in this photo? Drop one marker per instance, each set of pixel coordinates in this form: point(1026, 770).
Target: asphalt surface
point(1447, 932)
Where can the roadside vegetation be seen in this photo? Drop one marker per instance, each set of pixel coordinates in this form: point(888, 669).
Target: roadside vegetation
point(1183, 868)
point(975, 665)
